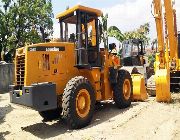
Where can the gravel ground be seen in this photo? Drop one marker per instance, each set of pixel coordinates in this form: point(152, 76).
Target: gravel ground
point(143, 120)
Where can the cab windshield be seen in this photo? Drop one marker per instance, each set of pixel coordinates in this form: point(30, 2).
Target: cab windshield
point(78, 24)
point(131, 48)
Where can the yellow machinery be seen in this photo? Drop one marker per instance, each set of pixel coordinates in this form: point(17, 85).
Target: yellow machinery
point(133, 60)
point(139, 89)
point(69, 76)
point(167, 65)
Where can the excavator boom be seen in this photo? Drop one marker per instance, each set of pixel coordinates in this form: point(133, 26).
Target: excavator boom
point(167, 62)
point(171, 29)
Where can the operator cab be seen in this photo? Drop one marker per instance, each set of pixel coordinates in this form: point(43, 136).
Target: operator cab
point(132, 52)
point(85, 36)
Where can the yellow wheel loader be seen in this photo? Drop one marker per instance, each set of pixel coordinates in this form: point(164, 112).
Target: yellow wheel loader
point(133, 56)
point(68, 77)
point(133, 60)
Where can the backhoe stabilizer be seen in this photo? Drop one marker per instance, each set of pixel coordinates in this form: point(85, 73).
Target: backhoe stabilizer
point(162, 78)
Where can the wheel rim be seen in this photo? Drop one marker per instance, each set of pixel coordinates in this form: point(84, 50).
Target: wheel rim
point(83, 103)
point(127, 89)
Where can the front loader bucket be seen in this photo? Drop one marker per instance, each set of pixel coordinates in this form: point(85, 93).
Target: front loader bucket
point(139, 88)
point(162, 78)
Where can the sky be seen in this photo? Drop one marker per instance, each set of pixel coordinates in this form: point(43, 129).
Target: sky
point(127, 15)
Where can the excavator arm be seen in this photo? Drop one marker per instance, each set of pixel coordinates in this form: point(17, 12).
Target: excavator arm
point(167, 47)
point(170, 20)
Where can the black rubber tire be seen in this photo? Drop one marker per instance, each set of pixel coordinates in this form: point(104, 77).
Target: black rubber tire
point(118, 96)
point(50, 114)
point(69, 113)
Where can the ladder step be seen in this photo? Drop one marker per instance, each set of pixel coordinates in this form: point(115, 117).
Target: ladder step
point(175, 83)
point(175, 77)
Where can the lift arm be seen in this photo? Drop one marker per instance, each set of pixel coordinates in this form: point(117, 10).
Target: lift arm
point(162, 72)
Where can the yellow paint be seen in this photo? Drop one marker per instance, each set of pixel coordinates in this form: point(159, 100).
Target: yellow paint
point(83, 103)
point(126, 89)
point(167, 55)
point(156, 63)
point(93, 76)
point(36, 73)
point(168, 49)
point(93, 38)
point(20, 92)
point(162, 78)
point(59, 67)
point(178, 62)
point(62, 63)
point(139, 88)
point(159, 23)
point(172, 36)
point(79, 7)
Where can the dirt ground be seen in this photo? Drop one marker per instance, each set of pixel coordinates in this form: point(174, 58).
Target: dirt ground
point(143, 120)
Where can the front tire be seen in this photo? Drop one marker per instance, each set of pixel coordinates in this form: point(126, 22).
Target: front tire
point(123, 89)
point(78, 103)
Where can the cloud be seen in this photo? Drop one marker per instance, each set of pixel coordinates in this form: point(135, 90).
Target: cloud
point(129, 15)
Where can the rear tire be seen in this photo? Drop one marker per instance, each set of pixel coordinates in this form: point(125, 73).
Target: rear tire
point(123, 89)
point(78, 103)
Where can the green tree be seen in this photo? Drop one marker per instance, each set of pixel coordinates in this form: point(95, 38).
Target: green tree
point(141, 33)
point(151, 59)
point(113, 31)
point(24, 21)
point(104, 30)
point(4, 20)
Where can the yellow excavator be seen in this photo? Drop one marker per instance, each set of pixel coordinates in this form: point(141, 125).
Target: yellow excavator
point(167, 64)
point(69, 76)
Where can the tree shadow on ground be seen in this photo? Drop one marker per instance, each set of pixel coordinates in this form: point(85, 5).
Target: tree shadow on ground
point(103, 112)
point(3, 134)
point(3, 112)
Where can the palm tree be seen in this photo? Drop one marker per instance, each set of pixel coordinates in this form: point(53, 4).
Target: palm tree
point(104, 32)
point(113, 31)
point(141, 33)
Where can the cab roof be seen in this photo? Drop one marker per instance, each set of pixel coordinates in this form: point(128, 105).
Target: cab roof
point(81, 8)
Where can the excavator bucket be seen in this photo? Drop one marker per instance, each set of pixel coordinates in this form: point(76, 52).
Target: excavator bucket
point(139, 88)
point(162, 78)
